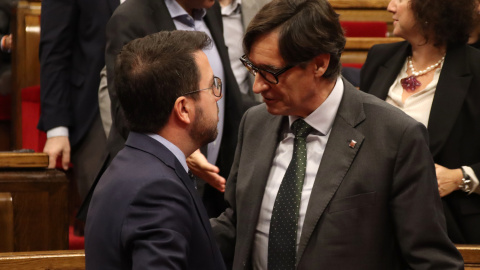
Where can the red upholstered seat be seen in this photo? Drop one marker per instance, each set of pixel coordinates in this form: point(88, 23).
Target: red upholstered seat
point(364, 29)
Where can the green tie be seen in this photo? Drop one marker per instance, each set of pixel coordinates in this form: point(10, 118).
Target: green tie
point(283, 226)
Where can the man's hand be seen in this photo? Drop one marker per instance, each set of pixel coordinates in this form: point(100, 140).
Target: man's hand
point(200, 167)
point(448, 179)
point(55, 147)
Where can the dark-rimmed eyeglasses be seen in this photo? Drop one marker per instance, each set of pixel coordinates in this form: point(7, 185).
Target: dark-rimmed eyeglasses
point(216, 88)
point(270, 76)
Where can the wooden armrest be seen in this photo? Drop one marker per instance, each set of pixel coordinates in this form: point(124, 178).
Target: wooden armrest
point(23, 160)
point(471, 255)
point(43, 260)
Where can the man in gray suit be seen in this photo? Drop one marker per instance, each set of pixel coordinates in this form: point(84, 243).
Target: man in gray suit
point(354, 188)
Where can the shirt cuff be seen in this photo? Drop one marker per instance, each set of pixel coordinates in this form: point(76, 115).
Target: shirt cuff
point(473, 177)
point(57, 132)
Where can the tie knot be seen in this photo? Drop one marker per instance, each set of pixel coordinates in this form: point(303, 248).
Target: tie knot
point(301, 128)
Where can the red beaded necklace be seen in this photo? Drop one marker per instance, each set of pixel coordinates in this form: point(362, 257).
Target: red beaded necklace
point(411, 83)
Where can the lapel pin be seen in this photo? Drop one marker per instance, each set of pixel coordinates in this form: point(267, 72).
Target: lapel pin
point(352, 144)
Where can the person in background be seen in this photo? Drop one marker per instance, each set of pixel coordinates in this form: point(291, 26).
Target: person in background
point(236, 15)
point(474, 39)
point(145, 212)
point(434, 77)
point(5, 46)
point(72, 53)
point(325, 176)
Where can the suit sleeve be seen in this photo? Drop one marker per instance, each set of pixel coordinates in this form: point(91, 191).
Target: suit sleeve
point(416, 207)
point(224, 227)
point(58, 24)
point(158, 225)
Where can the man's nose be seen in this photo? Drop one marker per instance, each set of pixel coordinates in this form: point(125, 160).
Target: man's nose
point(260, 84)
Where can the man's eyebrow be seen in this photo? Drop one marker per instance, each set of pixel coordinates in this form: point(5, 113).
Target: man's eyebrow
point(269, 67)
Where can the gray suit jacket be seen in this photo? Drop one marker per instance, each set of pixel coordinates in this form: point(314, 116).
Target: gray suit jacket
point(374, 206)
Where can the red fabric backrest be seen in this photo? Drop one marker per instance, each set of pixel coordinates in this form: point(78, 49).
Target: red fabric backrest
point(32, 138)
point(364, 29)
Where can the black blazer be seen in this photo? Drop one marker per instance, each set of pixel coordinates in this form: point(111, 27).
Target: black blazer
point(72, 50)
point(139, 18)
point(146, 214)
point(454, 121)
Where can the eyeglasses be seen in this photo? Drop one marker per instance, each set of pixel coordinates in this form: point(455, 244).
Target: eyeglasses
point(216, 88)
point(270, 76)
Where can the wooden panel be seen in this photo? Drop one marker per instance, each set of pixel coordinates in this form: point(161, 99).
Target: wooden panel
point(6, 222)
point(43, 260)
point(23, 160)
point(40, 208)
point(369, 4)
point(25, 62)
point(471, 256)
point(356, 48)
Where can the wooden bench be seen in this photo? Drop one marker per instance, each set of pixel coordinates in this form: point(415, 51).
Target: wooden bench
point(356, 48)
point(471, 256)
point(43, 260)
point(75, 259)
point(363, 10)
point(38, 201)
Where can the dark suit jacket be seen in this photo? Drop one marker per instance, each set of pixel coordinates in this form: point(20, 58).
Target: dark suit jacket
point(143, 17)
point(374, 206)
point(454, 121)
point(72, 50)
point(146, 214)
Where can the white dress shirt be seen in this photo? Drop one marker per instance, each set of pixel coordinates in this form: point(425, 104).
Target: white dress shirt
point(233, 34)
point(321, 120)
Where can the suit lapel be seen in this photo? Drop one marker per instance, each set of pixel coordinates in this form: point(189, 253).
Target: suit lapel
point(261, 156)
point(452, 88)
point(336, 161)
point(388, 72)
point(164, 20)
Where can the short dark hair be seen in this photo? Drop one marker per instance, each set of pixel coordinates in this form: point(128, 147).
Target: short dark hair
point(450, 21)
point(307, 28)
point(152, 72)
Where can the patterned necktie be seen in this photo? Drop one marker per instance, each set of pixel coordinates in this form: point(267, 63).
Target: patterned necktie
point(283, 226)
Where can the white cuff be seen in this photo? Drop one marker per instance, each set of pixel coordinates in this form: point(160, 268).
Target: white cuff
point(57, 132)
point(473, 177)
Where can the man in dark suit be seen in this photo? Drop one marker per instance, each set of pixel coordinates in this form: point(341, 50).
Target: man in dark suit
point(145, 212)
point(143, 17)
point(72, 51)
point(354, 188)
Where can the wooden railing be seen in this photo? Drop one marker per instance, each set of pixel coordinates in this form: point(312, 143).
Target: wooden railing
point(75, 259)
point(43, 260)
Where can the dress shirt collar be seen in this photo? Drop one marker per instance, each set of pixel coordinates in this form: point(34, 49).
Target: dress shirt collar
point(322, 118)
point(233, 8)
point(178, 13)
point(172, 147)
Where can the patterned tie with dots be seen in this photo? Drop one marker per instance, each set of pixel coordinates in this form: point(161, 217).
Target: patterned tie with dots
point(283, 226)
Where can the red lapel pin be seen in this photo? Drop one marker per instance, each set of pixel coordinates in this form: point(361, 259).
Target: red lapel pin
point(352, 144)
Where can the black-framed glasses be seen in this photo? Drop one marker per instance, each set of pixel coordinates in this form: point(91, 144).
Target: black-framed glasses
point(216, 88)
point(270, 76)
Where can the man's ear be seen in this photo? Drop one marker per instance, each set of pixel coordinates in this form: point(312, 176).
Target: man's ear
point(321, 62)
point(184, 110)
